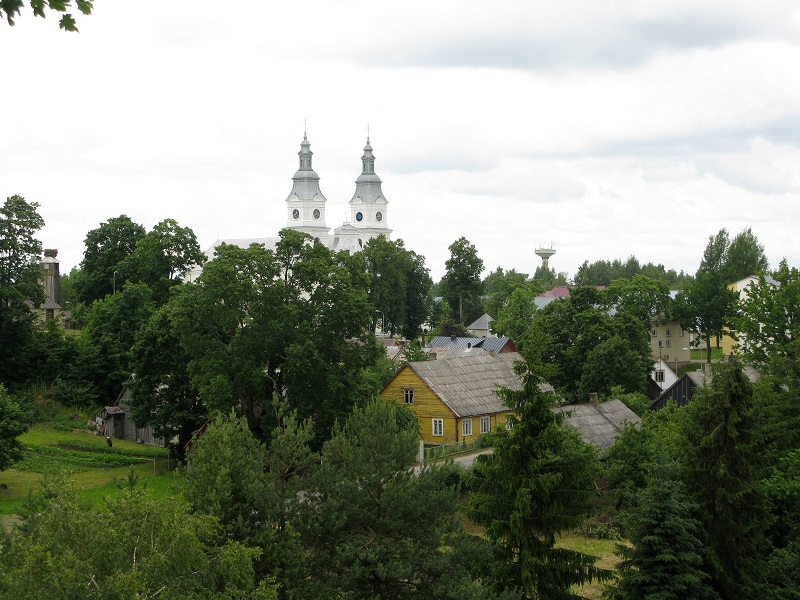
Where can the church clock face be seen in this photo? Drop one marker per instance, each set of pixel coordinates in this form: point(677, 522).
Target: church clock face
point(359, 216)
point(316, 213)
point(295, 214)
point(379, 217)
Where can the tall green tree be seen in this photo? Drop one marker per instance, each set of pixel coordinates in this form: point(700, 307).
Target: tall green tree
point(461, 285)
point(19, 285)
point(536, 484)
point(107, 247)
point(719, 462)
point(665, 559)
point(706, 306)
point(162, 257)
point(162, 393)
point(378, 529)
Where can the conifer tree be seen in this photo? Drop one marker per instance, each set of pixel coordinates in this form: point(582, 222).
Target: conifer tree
point(665, 561)
point(535, 484)
point(719, 463)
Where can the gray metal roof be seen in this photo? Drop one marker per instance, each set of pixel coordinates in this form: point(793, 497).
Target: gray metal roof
point(467, 384)
point(598, 424)
point(496, 344)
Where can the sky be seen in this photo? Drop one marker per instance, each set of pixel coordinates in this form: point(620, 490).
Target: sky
point(605, 129)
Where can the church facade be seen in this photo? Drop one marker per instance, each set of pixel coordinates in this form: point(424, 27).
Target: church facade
point(305, 205)
point(305, 210)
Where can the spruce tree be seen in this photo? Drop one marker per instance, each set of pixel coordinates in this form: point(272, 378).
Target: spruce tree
point(665, 560)
point(535, 484)
point(719, 464)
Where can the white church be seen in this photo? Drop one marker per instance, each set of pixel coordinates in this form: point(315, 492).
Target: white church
point(305, 210)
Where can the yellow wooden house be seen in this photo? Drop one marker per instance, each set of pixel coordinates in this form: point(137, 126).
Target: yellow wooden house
point(454, 398)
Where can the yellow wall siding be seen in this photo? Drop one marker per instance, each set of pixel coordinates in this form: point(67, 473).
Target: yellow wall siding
point(427, 407)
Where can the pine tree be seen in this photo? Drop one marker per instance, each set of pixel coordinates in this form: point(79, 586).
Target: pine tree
point(665, 561)
point(535, 485)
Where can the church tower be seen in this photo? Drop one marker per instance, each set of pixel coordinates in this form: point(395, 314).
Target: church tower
point(368, 207)
point(306, 204)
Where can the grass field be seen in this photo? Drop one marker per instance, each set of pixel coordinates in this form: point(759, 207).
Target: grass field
point(95, 468)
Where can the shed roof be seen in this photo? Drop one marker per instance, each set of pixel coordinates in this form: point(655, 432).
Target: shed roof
point(467, 384)
point(598, 424)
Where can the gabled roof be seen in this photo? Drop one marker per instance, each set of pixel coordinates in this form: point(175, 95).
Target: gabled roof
point(467, 384)
point(598, 424)
point(482, 322)
point(496, 344)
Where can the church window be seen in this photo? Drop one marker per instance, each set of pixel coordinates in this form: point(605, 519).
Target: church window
point(359, 217)
point(295, 214)
point(379, 217)
point(316, 213)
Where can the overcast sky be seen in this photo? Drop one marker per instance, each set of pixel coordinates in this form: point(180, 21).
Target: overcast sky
point(610, 129)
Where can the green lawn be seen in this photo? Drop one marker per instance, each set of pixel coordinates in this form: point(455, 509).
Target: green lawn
point(95, 468)
point(716, 353)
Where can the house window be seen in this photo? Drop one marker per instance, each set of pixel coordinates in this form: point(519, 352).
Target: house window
point(669, 343)
point(659, 376)
point(438, 427)
point(466, 427)
point(660, 343)
point(654, 332)
point(680, 333)
point(408, 396)
point(669, 332)
point(486, 424)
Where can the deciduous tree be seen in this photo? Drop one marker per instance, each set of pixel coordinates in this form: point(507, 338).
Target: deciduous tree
point(461, 285)
point(9, 9)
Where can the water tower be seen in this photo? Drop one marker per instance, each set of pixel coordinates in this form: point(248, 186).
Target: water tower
point(545, 254)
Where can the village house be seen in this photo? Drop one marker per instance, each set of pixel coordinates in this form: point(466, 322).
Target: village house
point(455, 399)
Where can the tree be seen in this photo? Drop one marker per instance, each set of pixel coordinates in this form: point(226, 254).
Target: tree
point(768, 320)
point(226, 478)
point(706, 306)
point(162, 257)
point(535, 484)
point(586, 347)
point(735, 259)
point(398, 285)
point(162, 393)
point(10, 8)
point(129, 546)
point(666, 557)
point(12, 425)
point(499, 285)
point(19, 285)
point(719, 463)
point(461, 284)
point(745, 256)
point(643, 297)
point(106, 248)
point(257, 324)
point(604, 272)
point(379, 530)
